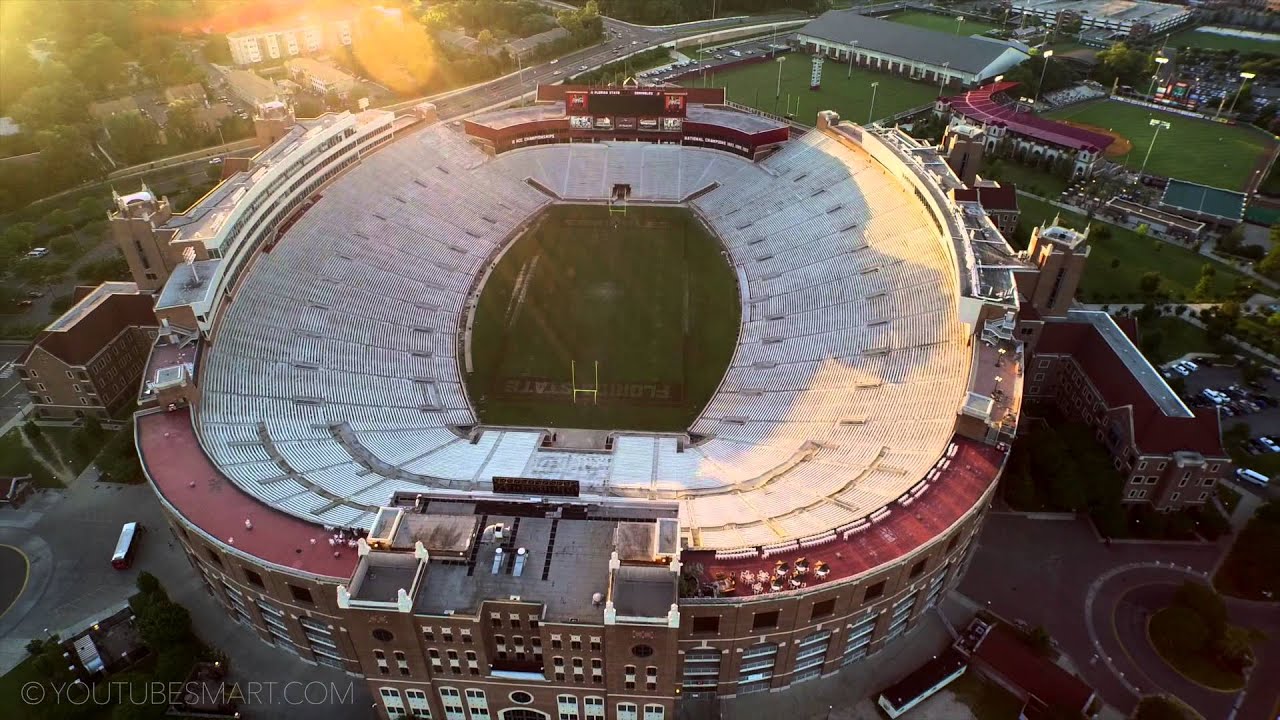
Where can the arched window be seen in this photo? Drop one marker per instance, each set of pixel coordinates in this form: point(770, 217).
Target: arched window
point(522, 714)
point(392, 702)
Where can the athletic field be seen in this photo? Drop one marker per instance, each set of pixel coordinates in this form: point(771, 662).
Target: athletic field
point(756, 84)
point(646, 295)
point(1201, 151)
point(941, 23)
point(1215, 41)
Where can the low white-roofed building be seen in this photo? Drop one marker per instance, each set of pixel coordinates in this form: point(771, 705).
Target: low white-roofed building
point(917, 53)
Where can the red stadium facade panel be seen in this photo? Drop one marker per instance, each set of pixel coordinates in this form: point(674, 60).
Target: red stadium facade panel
point(658, 115)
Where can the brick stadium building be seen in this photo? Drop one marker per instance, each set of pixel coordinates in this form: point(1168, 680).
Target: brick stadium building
point(1088, 366)
point(307, 431)
point(992, 109)
point(88, 361)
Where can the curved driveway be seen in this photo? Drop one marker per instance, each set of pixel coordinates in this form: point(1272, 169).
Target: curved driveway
point(1120, 603)
point(14, 568)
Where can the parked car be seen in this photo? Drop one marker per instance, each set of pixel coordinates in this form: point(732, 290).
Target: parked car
point(38, 252)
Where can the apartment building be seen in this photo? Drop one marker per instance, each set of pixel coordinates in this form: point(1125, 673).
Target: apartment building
point(87, 363)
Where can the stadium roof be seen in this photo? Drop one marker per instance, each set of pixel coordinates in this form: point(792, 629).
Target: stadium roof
point(1203, 200)
point(81, 332)
point(967, 54)
point(1162, 423)
point(981, 105)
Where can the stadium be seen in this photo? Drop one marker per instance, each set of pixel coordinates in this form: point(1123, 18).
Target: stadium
point(827, 333)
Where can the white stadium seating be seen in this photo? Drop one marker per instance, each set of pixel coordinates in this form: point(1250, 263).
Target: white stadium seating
point(333, 379)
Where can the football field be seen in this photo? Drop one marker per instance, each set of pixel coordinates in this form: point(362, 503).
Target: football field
point(1191, 149)
point(755, 85)
point(645, 299)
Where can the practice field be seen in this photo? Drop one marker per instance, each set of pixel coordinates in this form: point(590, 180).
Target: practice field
point(941, 23)
point(646, 294)
point(754, 85)
point(1201, 151)
point(1216, 41)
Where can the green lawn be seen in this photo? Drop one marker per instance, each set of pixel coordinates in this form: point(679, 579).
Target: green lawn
point(1201, 151)
point(1117, 262)
point(647, 295)
point(1177, 338)
point(1228, 496)
point(1029, 179)
point(941, 23)
point(1163, 629)
point(11, 684)
point(756, 84)
point(1214, 41)
point(16, 460)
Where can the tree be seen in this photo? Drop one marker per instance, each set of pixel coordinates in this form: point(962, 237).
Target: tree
point(89, 207)
point(1149, 283)
point(1123, 63)
point(216, 49)
point(1205, 602)
point(1269, 265)
point(66, 157)
point(485, 39)
point(99, 63)
point(1160, 707)
point(181, 128)
point(133, 136)
point(1234, 648)
point(163, 623)
point(58, 100)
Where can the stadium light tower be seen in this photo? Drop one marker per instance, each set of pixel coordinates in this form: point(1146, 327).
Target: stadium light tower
point(777, 93)
point(1158, 125)
point(959, 22)
point(852, 51)
point(1245, 77)
point(871, 112)
point(942, 77)
point(1047, 54)
point(1160, 61)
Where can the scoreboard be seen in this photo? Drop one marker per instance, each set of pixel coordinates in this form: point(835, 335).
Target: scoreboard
point(627, 108)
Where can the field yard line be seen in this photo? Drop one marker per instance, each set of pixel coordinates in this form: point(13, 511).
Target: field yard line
point(522, 287)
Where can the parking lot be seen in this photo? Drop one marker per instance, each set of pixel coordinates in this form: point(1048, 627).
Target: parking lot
point(1256, 404)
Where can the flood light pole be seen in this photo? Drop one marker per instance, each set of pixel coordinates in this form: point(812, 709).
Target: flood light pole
point(1245, 77)
point(1158, 125)
point(1047, 54)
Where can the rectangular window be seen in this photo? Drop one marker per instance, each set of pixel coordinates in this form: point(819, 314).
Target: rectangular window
point(765, 620)
point(874, 591)
point(706, 624)
point(254, 578)
point(823, 608)
point(918, 568)
point(302, 595)
point(627, 711)
point(593, 708)
point(653, 712)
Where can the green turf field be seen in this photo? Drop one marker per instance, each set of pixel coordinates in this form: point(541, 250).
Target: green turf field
point(1116, 263)
point(755, 85)
point(941, 23)
point(647, 294)
point(1215, 41)
point(1201, 151)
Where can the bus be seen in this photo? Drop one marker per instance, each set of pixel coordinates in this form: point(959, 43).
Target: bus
point(1251, 476)
point(126, 546)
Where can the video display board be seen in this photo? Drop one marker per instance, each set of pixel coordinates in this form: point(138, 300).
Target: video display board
point(626, 109)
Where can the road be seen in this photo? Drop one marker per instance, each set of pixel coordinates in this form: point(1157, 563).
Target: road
point(1121, 607)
